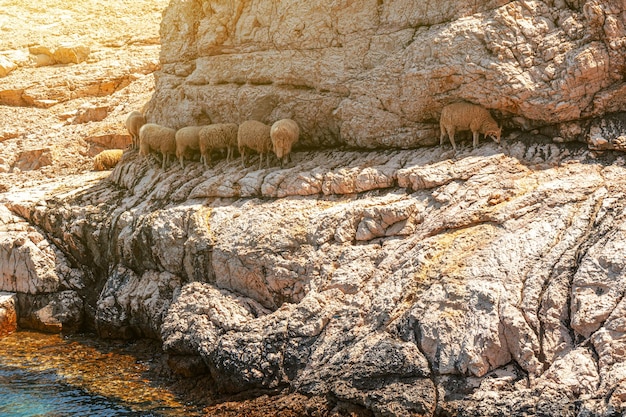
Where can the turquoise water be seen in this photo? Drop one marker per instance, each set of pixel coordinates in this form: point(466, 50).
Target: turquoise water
point(26, 394)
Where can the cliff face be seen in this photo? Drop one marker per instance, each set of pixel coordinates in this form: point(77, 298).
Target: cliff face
point(375, 73)
point(400, 281)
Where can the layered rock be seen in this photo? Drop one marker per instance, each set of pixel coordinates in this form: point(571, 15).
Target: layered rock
point(398, 281)
point(8, 313)
point(45, 285)
point(376, 74)
point(401, 281)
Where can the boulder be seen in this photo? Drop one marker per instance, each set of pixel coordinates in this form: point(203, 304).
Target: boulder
point(8, 313)
point(32, 159)
point(6, 66)
point(51, 313)
point(71, 53)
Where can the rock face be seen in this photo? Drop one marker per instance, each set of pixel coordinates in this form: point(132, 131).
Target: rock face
point(397, 281)
point(373, 73)
point(400, 281)
point(8, 313)
point(47, 286)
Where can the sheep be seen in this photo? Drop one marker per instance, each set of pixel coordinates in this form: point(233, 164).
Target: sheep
point(284, 134)
point(467, 116)
point(153, 137)
point(133, 123)
point(186, 138)
point(217, 136)
point(107, 159)
point(256, 136)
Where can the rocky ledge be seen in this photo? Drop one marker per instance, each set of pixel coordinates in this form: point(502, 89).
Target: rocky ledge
point(400, 281)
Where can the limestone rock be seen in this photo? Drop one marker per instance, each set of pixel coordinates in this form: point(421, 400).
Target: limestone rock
point(34, 159)
point(65, 53)
point(52, 313)
point(377, 74)
point(8, 313)
point(100, 143)
point(133, 306)
point(90, 113)
point(28, 262)
point(42, 278)
point(402, 281)
point(6, 66)
point(608, 133)
point(71, 53)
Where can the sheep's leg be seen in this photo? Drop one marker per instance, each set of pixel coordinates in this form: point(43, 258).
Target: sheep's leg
point(182, 162)
point(475, 139)
point(260, 160)
point(243, 157)
point(442, 136)
point(451, 136)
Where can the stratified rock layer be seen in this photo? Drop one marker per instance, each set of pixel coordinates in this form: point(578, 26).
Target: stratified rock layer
point(401, 281)
point(372, 73)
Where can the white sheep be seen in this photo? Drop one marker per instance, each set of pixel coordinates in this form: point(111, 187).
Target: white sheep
point(256, 136)
point(217, 136)
point(134, 121)
point(284, 133)
point(186, 138)
point(107, 159)
point(153, 137)
point(462, 116)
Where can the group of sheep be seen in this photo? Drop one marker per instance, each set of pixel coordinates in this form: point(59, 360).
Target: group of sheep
point(263, 139)
point(250, 135)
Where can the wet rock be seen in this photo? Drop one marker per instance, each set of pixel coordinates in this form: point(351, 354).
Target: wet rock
point(51, 313)
point(8, 313)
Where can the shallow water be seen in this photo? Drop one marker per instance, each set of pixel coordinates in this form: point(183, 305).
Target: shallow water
point(50, 375)
point(25, 394)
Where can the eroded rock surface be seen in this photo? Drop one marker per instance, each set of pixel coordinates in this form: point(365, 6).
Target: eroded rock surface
point(396, 281)
point(376, 74)
point(402, 281)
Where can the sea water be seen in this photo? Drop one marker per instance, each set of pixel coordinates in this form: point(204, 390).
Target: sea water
point(52, 376)
point(26, 394)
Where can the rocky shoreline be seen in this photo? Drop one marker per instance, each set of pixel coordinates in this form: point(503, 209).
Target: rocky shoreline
point(362, 290)
point(378, 273)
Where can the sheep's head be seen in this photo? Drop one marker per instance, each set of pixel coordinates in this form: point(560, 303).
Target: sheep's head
point(144, 149)
point(491, 128)
point(281, 147)
point(494, 133)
